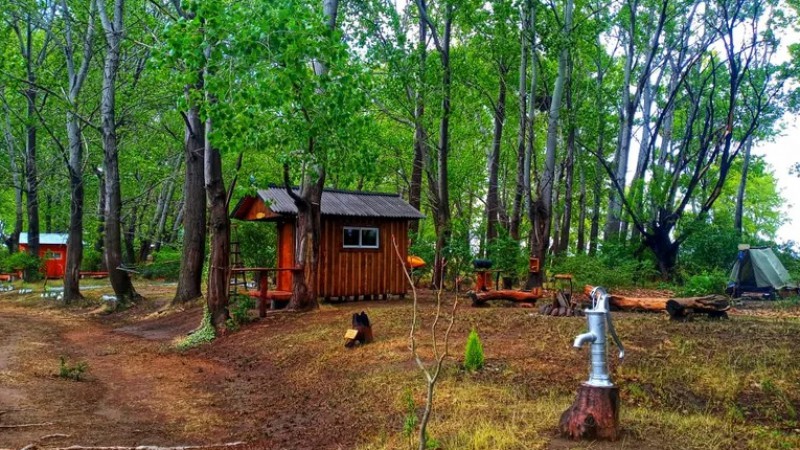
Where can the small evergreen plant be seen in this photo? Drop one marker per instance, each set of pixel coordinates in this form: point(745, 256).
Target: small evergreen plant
point(473, 353)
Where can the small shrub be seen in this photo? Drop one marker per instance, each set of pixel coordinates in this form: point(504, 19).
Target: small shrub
point(71, 372)
point(706, 283)
point(473, 353)
point(205, 333)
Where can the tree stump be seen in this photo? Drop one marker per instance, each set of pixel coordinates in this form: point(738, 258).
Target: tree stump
point(363, 330)
point(593, 415)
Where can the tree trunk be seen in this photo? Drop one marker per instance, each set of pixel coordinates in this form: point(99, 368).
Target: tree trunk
point(420, 135)
point(120, 280)
point(569, 170)
point(492, 200)
point(519, 191)
point(75, 239)
point(307, 232)
point(664, 249)
point(543, 207)
point(620, 165)
point(31, 178)
point(130, 236)
point(99, 245)
point(737, 218)
point(580, 247)
point(220, 231)
point(593, 415)
point(443, 207)
point(194, 209)
point(13, 240)
point(529, 154)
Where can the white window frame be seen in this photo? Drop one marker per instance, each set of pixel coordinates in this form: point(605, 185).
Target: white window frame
point(360, 237)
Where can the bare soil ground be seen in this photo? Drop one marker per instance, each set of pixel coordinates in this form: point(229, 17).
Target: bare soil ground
point(287, 381)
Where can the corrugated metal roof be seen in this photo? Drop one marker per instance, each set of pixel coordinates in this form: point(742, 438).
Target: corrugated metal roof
point(46, 238)
point(345, 203)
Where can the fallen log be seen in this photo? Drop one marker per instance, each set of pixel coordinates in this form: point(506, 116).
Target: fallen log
point(480, 298)
point(713, 305)
point(678, 308)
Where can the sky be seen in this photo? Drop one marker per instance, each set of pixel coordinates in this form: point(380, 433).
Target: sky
point(781, 155)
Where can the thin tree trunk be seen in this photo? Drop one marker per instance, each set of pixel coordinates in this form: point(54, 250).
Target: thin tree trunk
point(130, 236)
point(529, 154)
point(420, 135)
point(519, 192)
point(31, 178)
point(544, 210)
point(179, 222)
point(737, 219)
point(492, 200)
point(99, 244)
point(443, 208)
point(120, 280)
point(13, 240)
point(569, 169)
point(580, 247)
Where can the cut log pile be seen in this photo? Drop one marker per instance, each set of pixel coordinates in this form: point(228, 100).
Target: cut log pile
point(561, 306)
point(716, 306)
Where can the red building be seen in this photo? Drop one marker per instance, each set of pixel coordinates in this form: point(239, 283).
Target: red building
point(52, 251)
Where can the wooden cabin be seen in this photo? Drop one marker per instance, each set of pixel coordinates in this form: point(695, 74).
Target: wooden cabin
point(357, 257)
point(52, 252)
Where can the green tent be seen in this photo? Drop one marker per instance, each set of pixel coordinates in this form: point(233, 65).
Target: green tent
point(759, 270)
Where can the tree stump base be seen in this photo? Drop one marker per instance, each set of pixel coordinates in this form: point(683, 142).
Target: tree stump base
point(593, 415)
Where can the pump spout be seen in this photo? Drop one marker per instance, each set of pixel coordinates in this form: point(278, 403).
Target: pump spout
point(583, 339)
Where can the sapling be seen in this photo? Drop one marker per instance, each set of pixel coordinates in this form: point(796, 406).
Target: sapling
point(473, 353)
point(433, 369)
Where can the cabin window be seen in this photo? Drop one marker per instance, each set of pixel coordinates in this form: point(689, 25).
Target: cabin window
point(52, 255)
point(361, 237)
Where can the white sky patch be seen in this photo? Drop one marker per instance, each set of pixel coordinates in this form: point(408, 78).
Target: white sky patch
point(781, 155)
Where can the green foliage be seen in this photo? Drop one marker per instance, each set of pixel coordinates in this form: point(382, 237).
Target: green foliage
point(205, 333)
point(166, 264)
point(507, 254)
point(615, 266)
point(708, 247)
point(71, 371)
point(705, 283)
point(92, 260)
point(20, 261)
point(257, 243)
point(240, 307)
point(473, 352)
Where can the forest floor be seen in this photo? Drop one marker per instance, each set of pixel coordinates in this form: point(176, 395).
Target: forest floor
point(287, 382)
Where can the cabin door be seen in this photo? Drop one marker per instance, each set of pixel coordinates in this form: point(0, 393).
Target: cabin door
point(285, 255)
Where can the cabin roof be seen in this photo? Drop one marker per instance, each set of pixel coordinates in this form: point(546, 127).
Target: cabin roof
point(46, 238)
point(345, 203)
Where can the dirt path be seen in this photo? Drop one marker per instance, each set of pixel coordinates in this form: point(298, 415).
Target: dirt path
point(136, 392)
